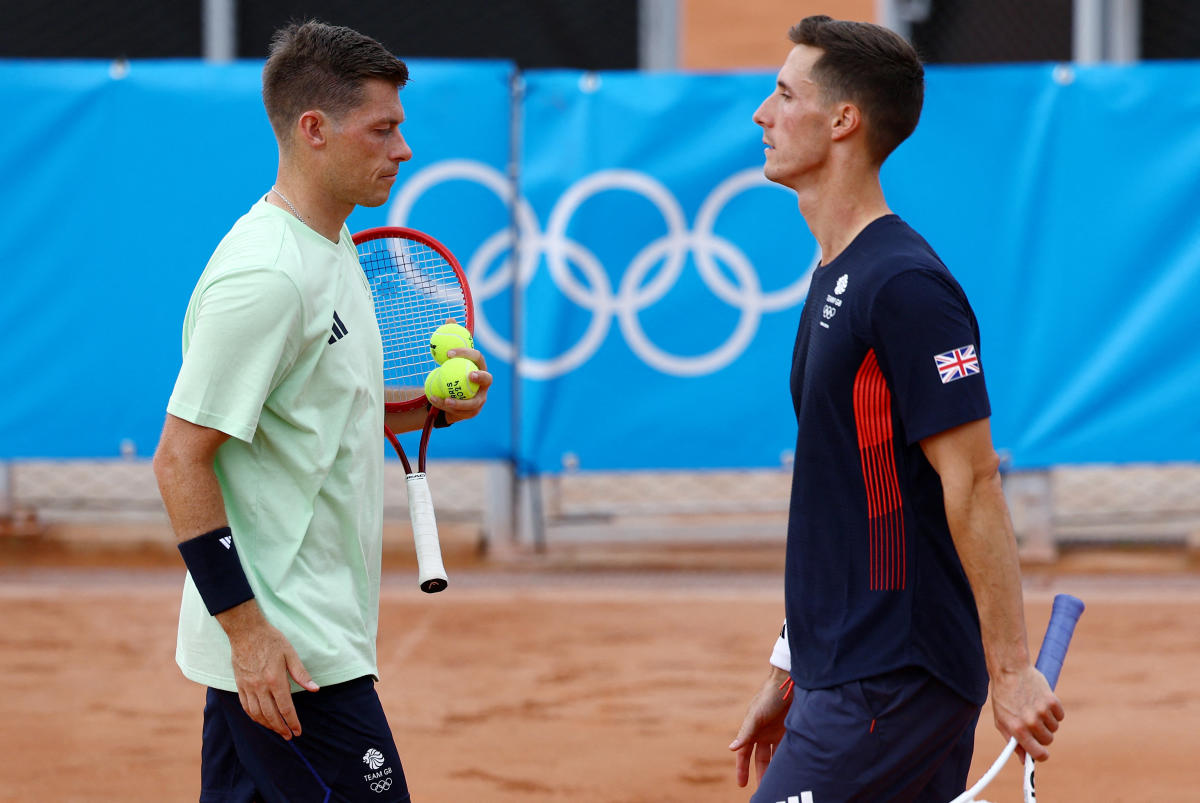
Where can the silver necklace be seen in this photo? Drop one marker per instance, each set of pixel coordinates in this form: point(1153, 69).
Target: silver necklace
point(289, 205)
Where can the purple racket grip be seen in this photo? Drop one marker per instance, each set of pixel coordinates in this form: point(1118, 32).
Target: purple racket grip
point(1063, 616)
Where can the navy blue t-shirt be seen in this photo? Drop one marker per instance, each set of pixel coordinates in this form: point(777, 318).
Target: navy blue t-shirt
point(887, 354)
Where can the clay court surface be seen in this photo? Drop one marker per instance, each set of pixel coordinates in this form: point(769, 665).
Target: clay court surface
point(537, 683)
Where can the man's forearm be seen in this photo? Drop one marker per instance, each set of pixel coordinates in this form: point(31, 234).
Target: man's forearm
point(187, 482)
point(408, 421)
point(191, 495)
point(983, 536)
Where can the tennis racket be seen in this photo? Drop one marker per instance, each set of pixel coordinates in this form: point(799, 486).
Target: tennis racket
point(417, 285)
point(1063, 616)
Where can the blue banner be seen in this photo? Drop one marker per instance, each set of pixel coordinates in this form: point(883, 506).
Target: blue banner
point(662, 304)
point(629, 262)
point(1073, 229)
point(120, 180)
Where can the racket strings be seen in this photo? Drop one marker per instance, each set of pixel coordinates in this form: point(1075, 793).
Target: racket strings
point(415, 290)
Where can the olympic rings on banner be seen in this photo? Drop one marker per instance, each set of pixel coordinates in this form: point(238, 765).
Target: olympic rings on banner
point(596, 295)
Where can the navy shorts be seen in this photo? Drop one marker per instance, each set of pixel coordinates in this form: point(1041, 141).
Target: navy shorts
point(903, 737)
point(345, 751)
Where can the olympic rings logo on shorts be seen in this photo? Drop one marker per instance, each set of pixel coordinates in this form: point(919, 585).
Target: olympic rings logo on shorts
point(597, 295)
point(381, 786)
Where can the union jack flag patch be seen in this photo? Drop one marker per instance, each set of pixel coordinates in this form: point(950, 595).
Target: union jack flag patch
point(957, 363)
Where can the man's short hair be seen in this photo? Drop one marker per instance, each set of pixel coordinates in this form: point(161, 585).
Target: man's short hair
point(872, 67)
point(313, 65)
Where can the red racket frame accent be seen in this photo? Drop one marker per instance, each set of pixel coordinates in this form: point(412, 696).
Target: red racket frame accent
point(400, 232)
point(424, 447)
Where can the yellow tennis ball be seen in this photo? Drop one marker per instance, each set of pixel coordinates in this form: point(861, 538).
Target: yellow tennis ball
point(434, 386)
point(449, 336)
point(455, 378)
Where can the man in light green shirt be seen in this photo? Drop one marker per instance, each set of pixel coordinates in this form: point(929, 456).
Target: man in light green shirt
point(302, 490)
point(270, 463)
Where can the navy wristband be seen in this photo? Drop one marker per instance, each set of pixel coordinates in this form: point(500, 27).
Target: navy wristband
point(212, 560)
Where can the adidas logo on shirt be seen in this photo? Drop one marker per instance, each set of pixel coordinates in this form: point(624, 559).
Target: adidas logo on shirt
point(339, 329)
point(227, 541)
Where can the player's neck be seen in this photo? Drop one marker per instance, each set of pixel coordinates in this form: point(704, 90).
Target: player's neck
point(839, 209)
point(309, 203)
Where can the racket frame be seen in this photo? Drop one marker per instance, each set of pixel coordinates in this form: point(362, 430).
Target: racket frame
point(403, 233)
point(431, 571)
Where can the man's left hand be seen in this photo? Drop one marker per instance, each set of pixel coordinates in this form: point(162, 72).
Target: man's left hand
point(462, 409)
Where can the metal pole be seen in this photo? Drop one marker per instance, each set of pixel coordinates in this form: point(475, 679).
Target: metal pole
point(220, 30)
point(1087, 31)
point(516, 508)
point(899, 15)
point(6, 495)
point(658, 34)
point(498, 514)
point(1125, 31)
point(888, 15)
point(528, 526)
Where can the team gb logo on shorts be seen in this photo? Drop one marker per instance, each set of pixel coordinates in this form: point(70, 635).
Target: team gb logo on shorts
point(373, 759)
point(957, 363)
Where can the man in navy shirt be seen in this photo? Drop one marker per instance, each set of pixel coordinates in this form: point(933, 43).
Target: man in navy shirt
point(902, 587)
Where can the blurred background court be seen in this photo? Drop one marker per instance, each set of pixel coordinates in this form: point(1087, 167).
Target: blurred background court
point(614, 526)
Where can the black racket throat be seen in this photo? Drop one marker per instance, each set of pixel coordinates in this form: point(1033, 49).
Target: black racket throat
point(422, 449)
point(426, 430)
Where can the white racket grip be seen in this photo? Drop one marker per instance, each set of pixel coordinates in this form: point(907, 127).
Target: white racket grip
point(431, 574)
point(1028, 787)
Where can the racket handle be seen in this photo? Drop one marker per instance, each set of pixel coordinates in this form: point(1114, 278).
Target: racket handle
point(431, 574)
point(1063, 616)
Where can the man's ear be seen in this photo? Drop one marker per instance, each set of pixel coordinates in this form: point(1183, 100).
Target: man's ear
point(847, 121)
point(312, 128)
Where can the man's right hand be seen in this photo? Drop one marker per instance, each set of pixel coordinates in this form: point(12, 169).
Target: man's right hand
point(263, 660)
point(1025, 708)
point(762, 729)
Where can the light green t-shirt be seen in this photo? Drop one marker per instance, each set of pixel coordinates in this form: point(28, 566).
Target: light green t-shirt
point(282, 352)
